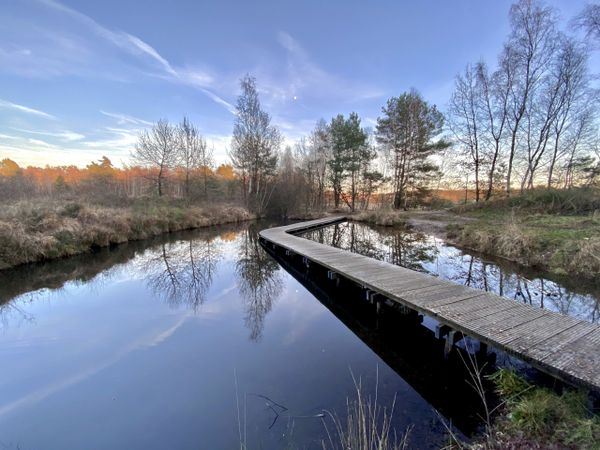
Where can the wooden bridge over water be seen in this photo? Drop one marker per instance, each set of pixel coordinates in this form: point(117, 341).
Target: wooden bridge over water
point(562, 346)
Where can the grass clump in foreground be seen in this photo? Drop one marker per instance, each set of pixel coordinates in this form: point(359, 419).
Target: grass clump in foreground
point(367, 425)
point(536, 417)
point(39, 230)
point(554, 230)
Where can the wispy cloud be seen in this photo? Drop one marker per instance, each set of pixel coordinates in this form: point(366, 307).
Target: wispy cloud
point(25, 109)
point(138, 47)
point(68, 136)
point(126, 119)
point(41, 143)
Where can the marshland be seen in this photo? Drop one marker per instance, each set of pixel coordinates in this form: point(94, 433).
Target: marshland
point(142, 155)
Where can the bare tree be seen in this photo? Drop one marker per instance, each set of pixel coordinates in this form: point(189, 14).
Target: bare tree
point(465, 123)
point(193, 154)
point(320, 153)
point(526, 55)
point(575, 96)
point(495, 91)
point(158, 149)
point(589, 21)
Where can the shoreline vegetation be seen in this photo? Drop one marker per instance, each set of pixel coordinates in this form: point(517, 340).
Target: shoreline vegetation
point(556, 231)
point(42, 229)
point(535, 417)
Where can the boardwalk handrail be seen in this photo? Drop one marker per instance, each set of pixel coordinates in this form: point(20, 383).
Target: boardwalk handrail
point(560, 345)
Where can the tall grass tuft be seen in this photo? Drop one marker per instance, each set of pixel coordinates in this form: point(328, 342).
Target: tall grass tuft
point(367, 425)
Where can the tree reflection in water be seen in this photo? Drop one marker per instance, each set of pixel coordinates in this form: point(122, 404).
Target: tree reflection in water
point(429, 254)
point(182, 272)
point(259, 281)
point(410, 250)
point(177, 268)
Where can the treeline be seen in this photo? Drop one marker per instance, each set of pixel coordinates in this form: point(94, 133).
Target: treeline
point(101, 180)
point(531, 120)
point(341, 163)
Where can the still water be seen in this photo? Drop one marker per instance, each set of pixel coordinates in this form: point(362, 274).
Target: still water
point(192, 341)
point(203, 340)
point(429, 254)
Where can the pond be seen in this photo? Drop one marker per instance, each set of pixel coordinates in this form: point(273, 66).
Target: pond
point(203, 340)
point(430, 254)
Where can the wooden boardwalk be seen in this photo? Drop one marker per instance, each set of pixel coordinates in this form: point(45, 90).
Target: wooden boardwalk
point(560, 345)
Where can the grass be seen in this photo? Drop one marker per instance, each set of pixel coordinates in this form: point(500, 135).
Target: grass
point(536, 417)
point(367, 425)
point(556, 231)
point(382, 217)
point(37, 230)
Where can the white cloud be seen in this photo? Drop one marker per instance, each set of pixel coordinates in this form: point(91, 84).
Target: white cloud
point(126, 119)
point(25, 109)
point(149, 50)
point(41, 143)
point(68, 136)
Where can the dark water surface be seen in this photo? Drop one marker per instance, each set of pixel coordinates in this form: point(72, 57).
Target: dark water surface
point(429, 254)
point(180, 342)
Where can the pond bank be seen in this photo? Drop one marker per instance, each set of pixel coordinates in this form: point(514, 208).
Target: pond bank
point(35, 231)
point(564, 244)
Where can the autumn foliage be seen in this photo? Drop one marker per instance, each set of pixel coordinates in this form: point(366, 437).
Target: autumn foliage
point(102, 178)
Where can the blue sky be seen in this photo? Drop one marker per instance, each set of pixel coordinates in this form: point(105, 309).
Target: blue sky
point(80, 79)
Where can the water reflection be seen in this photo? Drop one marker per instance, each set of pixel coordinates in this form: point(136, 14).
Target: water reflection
point(429, 254)
point(171, 320)
point(259, 281)
point(411, 349)
point(182, 272)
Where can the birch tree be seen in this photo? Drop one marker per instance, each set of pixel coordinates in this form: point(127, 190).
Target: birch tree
point(254, 147)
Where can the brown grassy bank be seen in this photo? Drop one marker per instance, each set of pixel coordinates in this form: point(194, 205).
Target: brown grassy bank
point(555, 231)
point(39, 230)
point(383, 217)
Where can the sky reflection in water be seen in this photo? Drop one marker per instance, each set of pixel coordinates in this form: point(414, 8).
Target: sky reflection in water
point(142, 347)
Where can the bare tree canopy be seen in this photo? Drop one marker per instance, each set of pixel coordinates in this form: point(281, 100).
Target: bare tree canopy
point(158, 149)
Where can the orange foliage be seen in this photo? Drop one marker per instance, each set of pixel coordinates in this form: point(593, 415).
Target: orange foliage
point(9, 168)
point(131, 180)
point(226, 171)
point(454, 195)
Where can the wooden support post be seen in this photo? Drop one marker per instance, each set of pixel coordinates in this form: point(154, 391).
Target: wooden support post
point(483, 348)
point(452, 339)
point(442, 331)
